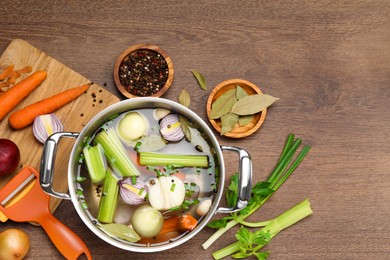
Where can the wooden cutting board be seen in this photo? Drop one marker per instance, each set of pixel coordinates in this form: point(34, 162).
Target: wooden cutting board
point(74, 115)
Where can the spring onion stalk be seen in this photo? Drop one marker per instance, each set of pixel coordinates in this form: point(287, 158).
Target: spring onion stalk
point(109, 200)
point(284, 168)
point(283, 221)
point(178, 160)
point(96, 163)
point(116, 153)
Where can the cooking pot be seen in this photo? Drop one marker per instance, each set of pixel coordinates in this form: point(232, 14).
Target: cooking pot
point(49, 153)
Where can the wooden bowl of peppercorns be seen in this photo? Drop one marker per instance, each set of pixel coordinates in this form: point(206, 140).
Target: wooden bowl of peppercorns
point(143, 70)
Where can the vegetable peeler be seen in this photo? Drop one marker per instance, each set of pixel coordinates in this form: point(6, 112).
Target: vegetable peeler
point(34, 207)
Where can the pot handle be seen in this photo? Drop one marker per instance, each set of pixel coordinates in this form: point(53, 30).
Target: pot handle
point(244, 180)
point(47, 163)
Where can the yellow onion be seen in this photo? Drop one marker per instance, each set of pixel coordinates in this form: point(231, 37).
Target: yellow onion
point(14, 244)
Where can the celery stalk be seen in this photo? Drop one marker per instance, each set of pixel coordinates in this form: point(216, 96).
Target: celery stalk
point(96, 163)
point(285, 167)
point(179, 160)
point(283, 221)
point(109, 199)
point(116, 153)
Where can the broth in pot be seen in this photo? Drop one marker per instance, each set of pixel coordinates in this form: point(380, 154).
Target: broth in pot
point(147, 176)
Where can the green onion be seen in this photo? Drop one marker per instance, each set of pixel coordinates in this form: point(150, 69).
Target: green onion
point(178, 160)
point(96, 163)
point(248, 247)
point(173, 187)
point(109, 200)
point(116, 153)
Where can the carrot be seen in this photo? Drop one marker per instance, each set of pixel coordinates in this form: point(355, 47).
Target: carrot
point(26, 116)
point(13, 96)
point(187, 222)
point(183, 223)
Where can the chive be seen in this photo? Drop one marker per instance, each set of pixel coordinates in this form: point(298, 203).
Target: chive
point(134, 180)
point(116, 153)
point(141, 191)
point(173, 187)
point(178, 160)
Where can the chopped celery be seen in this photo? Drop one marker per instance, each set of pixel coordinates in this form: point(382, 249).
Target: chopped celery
point(96, 163)
point(109, 199)
point(178, 160)
point(116, 153)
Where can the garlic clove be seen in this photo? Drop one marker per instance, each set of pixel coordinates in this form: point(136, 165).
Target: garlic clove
point(203, 207)
point(170, 128)
point(133, 194)
point(159, 113)
point(46, 125)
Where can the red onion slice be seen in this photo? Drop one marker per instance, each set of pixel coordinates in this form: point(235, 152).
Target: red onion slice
point(46, 125)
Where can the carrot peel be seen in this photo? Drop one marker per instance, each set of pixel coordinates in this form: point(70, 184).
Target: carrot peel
point(26, 116)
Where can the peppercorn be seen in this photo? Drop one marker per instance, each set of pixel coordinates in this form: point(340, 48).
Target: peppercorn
point(143, 72)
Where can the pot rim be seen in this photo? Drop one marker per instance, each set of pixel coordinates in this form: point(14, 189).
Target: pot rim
point(127, 105)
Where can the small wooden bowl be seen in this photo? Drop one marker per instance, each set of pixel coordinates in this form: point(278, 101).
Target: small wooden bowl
point(237, 131)
point(134, 48)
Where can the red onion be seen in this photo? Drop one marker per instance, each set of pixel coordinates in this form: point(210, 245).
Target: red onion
point(133, 194)
point(9, 156)
point(46, 125)
point(170, 128)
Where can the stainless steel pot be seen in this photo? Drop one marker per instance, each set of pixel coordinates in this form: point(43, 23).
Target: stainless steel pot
point(49, 153)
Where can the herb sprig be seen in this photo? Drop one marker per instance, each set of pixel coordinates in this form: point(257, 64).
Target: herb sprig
point(261, 191)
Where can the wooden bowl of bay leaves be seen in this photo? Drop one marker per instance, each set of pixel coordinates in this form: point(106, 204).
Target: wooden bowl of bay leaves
point(237, 108)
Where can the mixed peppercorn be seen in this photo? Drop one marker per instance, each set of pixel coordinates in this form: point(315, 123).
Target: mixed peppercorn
point(143, 72)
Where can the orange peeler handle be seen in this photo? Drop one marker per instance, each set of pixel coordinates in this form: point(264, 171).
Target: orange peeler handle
point(67, 242)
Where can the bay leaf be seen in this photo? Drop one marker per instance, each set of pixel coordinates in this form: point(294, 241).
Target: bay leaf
point(121, 231)
point(199, 77)
point(252, 104)
point(151, 143)
point(223, 104)
point(187, 132)
point(244, 120)
point(240, 92)
point(184, 98)
point(228, 121)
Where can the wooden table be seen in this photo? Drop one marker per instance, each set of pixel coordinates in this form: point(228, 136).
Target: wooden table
point(327, 61)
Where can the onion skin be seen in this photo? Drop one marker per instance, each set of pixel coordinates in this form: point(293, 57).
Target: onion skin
point(9, 156)
point(14, 244)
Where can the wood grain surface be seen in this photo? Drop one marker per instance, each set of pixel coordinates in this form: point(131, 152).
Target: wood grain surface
point(327, 61)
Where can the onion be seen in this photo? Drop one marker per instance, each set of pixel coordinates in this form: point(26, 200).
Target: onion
point(46, 125)
point(133, 194)
point(9, 156)
point(147, 221)
point(14, 244)
point(170, 128)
